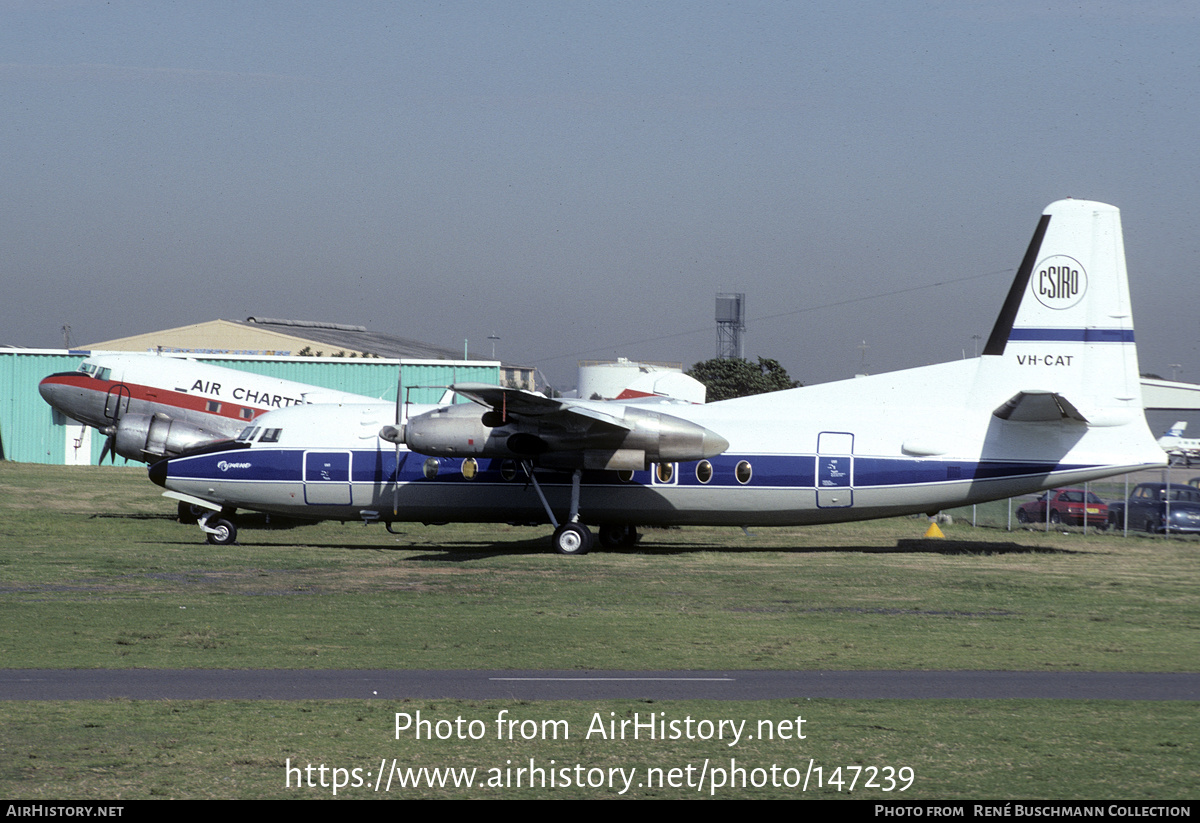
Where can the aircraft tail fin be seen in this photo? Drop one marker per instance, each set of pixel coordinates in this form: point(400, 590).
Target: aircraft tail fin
point(1171, 437)
point(1066, 328)
point(1176, 430)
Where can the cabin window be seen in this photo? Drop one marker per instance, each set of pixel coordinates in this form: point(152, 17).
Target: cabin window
point(212, 406)
point(247, 414)
point(704, 471)
point(625, 475)
point(470, 468)
point(508, 469)
point(743, 472)
point(665, 472)
point(430, 468)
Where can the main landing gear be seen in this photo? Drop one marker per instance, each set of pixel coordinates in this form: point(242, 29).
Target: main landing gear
point(614, 536)
point(573, 537)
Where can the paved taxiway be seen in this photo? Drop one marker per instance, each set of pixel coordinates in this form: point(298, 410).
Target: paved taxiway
point(303, 684)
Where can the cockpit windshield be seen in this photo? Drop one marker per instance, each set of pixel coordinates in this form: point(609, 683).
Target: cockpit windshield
point(252, 433)
point(92, 370)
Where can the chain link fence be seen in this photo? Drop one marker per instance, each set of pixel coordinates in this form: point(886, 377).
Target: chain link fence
point(1003, 514)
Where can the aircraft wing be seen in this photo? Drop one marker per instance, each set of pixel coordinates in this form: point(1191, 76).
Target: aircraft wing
point(518, 401)
point(563, 433)
point(512, 403)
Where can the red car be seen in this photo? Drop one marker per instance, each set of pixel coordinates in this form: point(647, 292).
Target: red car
point(1066, 506)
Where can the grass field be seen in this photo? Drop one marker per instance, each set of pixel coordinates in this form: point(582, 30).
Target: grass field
point(95, 573)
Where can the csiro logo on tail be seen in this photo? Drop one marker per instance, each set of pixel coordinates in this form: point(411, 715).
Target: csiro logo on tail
point(1059, 282)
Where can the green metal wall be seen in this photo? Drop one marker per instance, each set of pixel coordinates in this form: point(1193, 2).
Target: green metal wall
point(29, 432)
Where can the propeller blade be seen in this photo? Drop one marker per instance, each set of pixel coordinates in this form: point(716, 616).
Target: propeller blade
point(109, 443)
point(396, 484)
point(396, 474)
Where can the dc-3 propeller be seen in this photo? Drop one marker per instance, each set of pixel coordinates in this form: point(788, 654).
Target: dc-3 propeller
point(109, 448)
point(541, 432)
point(120, 404)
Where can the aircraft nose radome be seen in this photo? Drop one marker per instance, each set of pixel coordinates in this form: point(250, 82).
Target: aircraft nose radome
point(158, 473)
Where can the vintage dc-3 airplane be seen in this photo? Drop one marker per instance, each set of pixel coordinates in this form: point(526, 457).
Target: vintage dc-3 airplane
point(1180, 449)
point(155, 406)
point(1054, 400)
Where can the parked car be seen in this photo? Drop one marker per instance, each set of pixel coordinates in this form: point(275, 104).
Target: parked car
point(1070, 506)
point(1157, 507)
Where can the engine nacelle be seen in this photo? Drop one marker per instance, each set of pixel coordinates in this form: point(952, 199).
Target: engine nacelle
point(563, 438)
point(148, 437)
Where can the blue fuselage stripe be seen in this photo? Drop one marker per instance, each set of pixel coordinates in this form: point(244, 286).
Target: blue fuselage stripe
point(779, 471)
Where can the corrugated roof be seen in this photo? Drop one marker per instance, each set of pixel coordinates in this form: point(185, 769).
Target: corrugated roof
point(341, 337)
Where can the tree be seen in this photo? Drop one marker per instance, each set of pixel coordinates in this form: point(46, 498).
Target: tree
point(726, 378)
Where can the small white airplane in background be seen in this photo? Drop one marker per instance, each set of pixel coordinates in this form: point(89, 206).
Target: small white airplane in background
point(1180, 449)
point(154, 406)
point(1055, 400)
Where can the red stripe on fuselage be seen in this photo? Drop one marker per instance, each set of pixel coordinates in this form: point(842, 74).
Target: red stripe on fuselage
point(155, 394)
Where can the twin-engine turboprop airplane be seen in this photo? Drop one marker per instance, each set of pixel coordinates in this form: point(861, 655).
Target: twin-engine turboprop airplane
point(1054, 400)
point(153, 406)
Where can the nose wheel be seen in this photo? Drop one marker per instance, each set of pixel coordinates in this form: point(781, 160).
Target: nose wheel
point(219, 530)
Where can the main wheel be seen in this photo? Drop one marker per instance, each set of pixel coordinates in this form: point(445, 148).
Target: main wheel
point(572, 538)
point(618, 537)
point(189, 514)
point(224, 534)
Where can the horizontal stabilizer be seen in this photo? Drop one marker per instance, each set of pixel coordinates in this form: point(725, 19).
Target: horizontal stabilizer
point(1038, 407)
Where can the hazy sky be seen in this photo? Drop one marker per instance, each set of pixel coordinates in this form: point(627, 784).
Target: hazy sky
point(582, 178)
